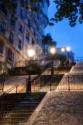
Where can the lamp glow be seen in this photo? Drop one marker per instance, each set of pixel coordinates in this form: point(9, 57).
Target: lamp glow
point(62, 49)
point(52, 50)
point(31, 53)
point(68, 49)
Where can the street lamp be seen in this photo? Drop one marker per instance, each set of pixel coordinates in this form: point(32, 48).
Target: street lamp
point(31, 53)
point(63, 50)
point(52, 51)
point(3, 75)
point(66, 51)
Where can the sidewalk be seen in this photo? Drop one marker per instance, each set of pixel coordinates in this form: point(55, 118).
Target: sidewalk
point(61, 108)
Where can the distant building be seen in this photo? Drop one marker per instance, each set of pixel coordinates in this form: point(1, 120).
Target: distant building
point(19, 29)
point(69, 55)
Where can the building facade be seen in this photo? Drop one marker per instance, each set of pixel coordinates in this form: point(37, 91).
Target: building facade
point(20, 25)
point(69, 55)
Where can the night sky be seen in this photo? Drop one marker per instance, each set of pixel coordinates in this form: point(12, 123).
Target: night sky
point(66, 35)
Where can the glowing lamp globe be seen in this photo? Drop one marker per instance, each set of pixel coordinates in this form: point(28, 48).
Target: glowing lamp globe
point(31, 53)
point(62, 49)
point(52, 50)
point(68, 49)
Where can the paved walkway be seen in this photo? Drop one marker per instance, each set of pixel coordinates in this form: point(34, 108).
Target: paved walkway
point(61, 108)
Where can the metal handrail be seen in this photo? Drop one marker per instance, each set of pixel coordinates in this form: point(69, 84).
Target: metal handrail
point(13, 88)
point(71, 82)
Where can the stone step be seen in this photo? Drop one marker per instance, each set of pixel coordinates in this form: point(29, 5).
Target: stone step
point(13, 122)
point(25, 104)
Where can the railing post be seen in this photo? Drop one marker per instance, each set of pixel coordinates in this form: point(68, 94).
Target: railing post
point(28, 84)
point(16, 88)
point(68, 83)
point(3, 82)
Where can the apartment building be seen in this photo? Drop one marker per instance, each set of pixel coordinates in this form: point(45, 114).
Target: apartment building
point(19, 28)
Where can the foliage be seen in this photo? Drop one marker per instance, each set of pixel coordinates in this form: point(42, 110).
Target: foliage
point(69, 9)
point(47, 40)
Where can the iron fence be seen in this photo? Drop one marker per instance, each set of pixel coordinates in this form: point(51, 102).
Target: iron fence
point(71, 82)
point(46, 82)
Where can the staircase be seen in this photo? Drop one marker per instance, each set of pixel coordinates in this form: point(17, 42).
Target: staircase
point(72, 81)
point(15, 109)
point(48, 82)
point(14, 84)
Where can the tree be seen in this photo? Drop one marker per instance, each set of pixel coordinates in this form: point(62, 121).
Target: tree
point(69, 9)
point(47, 41)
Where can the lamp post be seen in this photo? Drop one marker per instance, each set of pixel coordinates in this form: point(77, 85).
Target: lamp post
point(31, 54)
point(3, 76)
point(66, 50)
point(52, 52)
point(68, 83)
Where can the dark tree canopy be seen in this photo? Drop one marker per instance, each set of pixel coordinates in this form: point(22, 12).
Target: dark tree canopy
point(69, 9)
point(47, 40)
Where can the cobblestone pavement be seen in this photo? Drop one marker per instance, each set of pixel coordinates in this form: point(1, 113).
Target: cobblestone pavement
point(62, 108)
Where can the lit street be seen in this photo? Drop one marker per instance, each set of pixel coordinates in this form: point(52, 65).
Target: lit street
point(63, 106)
point(41, 62)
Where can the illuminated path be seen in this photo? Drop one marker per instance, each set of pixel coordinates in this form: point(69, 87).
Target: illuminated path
point(72, 81)
point(60, 108)
point(64, 106)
